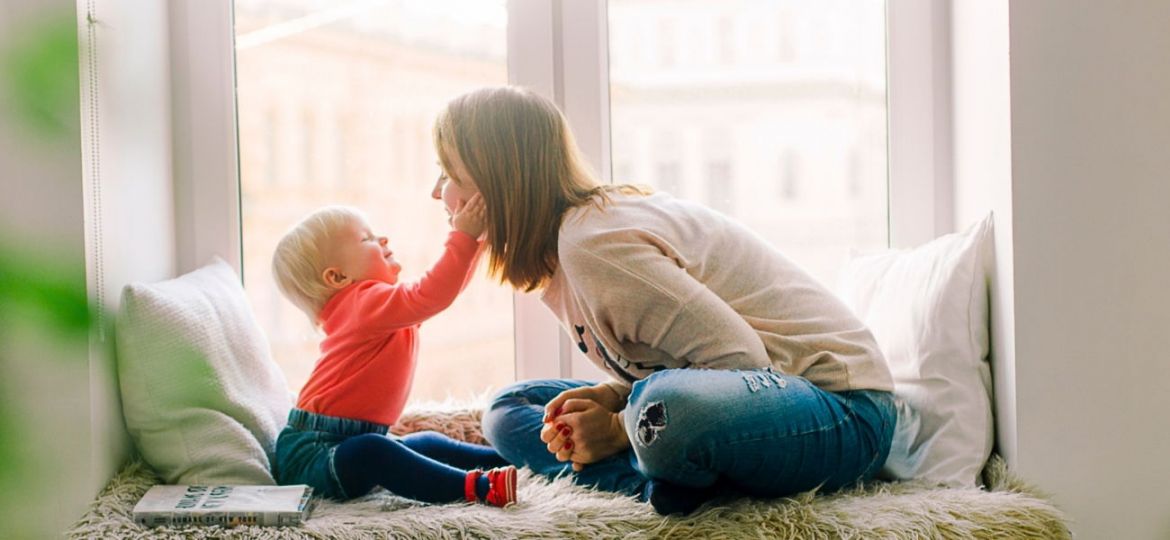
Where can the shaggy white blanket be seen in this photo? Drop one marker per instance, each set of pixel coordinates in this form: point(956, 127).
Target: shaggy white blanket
point(559, 509)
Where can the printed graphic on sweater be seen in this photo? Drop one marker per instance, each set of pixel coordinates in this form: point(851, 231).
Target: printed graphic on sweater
point(628, 371)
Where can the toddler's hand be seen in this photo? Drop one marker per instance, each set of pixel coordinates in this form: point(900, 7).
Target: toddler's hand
point(470, 217)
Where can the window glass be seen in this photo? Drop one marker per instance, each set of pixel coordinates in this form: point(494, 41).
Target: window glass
point(771, 111)
point(335, 105)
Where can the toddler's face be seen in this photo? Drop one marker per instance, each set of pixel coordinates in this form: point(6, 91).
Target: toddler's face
point(361, 255)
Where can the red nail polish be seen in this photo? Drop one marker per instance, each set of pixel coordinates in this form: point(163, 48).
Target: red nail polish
point(559, 426)
point(567, 432)
point(568, 445)
point(557, 412)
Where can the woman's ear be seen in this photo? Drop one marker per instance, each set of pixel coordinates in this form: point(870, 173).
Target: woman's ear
point(334, 278)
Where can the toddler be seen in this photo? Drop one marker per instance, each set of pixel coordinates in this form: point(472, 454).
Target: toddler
point(346, 280)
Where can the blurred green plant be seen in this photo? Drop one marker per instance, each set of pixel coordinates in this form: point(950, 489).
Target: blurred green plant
point(40, 295)
point(43, 293)
point(39, 71)
point(44, 304)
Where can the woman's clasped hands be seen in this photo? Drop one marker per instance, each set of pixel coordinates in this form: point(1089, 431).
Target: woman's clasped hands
point(584, 425)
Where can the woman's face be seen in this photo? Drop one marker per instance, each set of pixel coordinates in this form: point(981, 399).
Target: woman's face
point(454, 187)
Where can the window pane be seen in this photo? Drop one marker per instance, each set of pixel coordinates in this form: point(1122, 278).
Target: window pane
point(771, 111)
point(336, 101)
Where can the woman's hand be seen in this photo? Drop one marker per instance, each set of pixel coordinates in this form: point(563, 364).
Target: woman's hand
point(603, 394)
point(470, 217)
point(584, 432)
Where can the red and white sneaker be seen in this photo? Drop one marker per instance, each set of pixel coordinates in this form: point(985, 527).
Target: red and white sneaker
point(501, 486)
point(502, 492)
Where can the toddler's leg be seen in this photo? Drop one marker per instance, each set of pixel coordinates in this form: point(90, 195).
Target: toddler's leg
point(365, 461)
point(455, 453)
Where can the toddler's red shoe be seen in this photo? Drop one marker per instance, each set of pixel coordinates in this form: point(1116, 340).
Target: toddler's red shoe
point(501, 486)
point(502, 492)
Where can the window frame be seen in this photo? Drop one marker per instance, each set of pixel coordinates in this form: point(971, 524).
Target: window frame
point(205, 153)
point(919, 121)
point(559, 49)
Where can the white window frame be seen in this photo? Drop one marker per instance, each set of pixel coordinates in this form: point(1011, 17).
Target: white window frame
point(205, 151)
point(560, 49)
point(918, 86)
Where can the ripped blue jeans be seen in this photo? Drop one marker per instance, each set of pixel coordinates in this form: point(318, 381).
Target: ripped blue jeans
point(755, 432)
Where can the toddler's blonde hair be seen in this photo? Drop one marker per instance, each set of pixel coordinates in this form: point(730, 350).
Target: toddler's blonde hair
point(300, 258)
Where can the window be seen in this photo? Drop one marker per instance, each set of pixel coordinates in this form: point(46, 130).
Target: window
point(814, 98)
point(667, 44)
point(668, 178)
point(600, 61)
point(720, 188)
point(335, 104)
point(790, 175)
point(726, 41)
point(666, 160)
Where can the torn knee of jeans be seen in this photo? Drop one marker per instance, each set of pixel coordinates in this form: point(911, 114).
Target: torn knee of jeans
point(763, 379)
point(651, 420)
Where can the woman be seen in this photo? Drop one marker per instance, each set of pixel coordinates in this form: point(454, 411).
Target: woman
point(732, 369)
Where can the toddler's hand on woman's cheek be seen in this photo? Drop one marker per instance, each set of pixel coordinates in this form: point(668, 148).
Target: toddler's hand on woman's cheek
point(470, 217)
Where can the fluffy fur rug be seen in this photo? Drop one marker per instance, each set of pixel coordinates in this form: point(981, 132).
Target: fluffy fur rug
point(559, 509)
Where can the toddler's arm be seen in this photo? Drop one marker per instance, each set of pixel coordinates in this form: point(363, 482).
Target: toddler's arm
point(408, 304)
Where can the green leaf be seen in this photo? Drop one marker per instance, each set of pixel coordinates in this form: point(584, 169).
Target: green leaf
point(39, 74)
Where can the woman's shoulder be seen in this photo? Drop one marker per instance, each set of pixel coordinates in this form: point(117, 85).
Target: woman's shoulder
point(616, 209)
point(600, 216)
point(672, 225)
point(658, 214)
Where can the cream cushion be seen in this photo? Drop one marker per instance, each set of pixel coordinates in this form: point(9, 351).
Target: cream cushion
point(928, 310)
point(202, 398)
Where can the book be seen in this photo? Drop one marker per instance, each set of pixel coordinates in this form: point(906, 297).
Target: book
point(228, 506)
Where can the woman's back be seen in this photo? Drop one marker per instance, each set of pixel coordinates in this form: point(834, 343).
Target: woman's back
point(667, 282)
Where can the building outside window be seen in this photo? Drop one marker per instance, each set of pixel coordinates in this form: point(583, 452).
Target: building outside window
point(813, 94)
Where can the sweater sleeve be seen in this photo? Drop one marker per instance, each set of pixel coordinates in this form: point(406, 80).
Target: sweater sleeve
point(645, 298)
point(408, 304)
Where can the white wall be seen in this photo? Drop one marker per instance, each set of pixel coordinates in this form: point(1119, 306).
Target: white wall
point(1078, 174)
point(97, 198)
point(1090, 93)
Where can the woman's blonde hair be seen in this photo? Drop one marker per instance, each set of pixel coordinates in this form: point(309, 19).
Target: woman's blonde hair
point(300, 258)
point(521, 155)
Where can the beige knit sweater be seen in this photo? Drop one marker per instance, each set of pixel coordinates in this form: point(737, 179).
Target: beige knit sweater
point(654, 282)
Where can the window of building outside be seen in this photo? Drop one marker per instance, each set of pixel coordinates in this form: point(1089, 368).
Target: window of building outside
point(709, 94)
point(335, 106)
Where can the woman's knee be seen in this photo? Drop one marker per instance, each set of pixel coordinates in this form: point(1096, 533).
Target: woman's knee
point(514, 391)
point(663, 419)
point(514, 405)
point(508, 398)
point(660, 401)
point(510, 408)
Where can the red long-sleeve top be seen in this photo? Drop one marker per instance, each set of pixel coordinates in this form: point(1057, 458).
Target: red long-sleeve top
point(371, 338)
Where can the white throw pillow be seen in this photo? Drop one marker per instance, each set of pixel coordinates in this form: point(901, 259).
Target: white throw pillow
point(928, 310)
point(202, 398)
